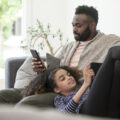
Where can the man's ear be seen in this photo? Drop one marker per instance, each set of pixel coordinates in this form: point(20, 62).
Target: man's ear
point(92, 25)
point(57, 90)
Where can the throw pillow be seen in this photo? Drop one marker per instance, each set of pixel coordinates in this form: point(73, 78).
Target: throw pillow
point(52, 62)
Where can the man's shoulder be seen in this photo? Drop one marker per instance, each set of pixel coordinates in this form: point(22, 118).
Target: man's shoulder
point(111, 37)
point(109, 40)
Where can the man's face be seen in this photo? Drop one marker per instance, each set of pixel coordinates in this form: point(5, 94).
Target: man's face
point(81, 28)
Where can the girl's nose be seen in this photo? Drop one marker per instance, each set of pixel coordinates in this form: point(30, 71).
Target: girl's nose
point(68, 77)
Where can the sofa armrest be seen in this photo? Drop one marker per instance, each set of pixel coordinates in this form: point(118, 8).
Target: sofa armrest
point(11, 67)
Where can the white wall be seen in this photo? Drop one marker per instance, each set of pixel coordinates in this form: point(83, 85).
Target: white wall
point(109, 18)
point(47, 11)
point(60, 14)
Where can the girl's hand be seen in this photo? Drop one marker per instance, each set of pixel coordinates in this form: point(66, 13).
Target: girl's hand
point(88, 75)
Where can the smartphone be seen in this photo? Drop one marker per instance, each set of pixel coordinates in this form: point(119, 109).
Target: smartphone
point(36, 55)
point(95, 66)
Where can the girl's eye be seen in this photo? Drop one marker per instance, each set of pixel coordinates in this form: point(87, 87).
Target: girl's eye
point(62, 78)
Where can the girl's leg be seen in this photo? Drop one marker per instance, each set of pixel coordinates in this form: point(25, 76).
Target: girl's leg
point(100, 100)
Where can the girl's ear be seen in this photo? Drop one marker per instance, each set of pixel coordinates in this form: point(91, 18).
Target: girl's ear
point(57, 90)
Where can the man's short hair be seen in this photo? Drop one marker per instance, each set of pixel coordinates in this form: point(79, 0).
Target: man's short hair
point(90, 11)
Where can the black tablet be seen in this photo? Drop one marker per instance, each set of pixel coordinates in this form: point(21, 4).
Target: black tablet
point(95, 66)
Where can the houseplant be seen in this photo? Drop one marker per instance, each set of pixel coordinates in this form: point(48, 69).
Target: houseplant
point(40, 36)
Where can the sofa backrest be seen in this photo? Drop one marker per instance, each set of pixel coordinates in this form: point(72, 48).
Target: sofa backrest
point(11, 67)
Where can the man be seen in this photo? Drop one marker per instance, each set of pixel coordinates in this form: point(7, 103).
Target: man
point(90, 45)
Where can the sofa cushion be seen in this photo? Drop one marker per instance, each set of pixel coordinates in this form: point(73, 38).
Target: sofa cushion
point(25, 73)
point(30, 113)
point(41, 100)
point(52, 62)
point(10, 96)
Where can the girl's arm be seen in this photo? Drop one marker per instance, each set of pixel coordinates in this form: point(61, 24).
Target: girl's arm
point(88, 75)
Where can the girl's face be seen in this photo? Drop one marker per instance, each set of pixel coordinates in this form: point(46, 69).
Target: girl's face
point(65, 82)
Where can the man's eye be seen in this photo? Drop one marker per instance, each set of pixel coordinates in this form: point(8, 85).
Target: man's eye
point(78, 25)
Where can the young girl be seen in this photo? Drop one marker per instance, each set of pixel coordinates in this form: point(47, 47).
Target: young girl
point(103, 98)
point(65, 83)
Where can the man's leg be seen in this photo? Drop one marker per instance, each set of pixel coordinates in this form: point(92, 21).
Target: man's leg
point(10, 96)
point(100, 97)
point(114, 100)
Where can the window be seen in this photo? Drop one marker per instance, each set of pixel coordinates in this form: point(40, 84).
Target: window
point(10, 32)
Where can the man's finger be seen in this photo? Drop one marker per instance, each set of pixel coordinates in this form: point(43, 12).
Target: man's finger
point(39, 69)
point(36, 63)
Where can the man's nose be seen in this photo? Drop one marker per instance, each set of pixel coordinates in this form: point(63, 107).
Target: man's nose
point(74, 29)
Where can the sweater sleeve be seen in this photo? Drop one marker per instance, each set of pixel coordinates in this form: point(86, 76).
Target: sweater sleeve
point(71, 107)
point(65, 104)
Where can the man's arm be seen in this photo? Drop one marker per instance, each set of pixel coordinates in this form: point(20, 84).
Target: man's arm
point(36, 65)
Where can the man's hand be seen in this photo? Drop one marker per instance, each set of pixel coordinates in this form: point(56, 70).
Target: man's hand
point(38, 66)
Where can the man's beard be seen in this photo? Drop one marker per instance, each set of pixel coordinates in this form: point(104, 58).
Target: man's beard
point(84, 36)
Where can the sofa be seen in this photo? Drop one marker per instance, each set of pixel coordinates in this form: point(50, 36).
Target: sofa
point(11, 67)
point(44, 100)
point(13, 64)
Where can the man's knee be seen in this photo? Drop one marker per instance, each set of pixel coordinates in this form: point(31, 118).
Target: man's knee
point(115, 52)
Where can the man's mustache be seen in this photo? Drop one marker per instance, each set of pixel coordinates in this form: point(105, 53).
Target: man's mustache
point(76, 33)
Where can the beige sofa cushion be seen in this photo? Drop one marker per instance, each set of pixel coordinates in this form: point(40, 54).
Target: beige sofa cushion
point(30, 113)
point(25, 73)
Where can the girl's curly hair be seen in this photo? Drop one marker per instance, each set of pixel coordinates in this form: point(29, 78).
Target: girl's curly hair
point(44, 82)
point(37, 85)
